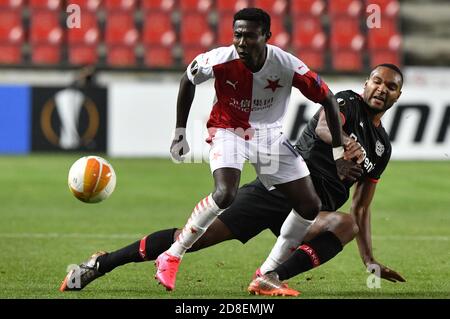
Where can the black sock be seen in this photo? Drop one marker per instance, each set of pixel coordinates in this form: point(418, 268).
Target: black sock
point(309, 255)
point(141, 250)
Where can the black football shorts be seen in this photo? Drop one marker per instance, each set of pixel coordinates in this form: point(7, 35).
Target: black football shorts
point(255, 208)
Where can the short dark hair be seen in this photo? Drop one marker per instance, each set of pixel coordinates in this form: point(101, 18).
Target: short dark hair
point(392, 67)
point(254, 14)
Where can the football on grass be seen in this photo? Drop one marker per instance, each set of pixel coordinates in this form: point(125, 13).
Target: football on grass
point(92, 179)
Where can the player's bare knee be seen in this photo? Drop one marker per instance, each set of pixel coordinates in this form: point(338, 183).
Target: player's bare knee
point(224, 196)
point(344, 226)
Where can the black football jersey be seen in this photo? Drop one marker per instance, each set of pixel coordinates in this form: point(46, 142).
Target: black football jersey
point(319, 156)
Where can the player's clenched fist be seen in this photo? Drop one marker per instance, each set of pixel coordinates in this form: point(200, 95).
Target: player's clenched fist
point(179, 145)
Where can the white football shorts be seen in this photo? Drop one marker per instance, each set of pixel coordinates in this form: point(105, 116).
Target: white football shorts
point(269, 151)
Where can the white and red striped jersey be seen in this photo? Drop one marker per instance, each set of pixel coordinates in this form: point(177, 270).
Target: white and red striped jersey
point(253, 100)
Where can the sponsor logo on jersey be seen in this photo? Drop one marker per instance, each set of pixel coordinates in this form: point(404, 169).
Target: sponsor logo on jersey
point(379, 148)
point(273, 85)
point(368, 165)
point(232, 84)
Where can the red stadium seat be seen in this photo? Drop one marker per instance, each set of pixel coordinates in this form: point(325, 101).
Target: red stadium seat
point(10, 53)
point(227, 6)
point(389, 8)
point(195, 30)
point(307, 7)
point(89, 33)
point(384, 56)
point(158, 5)
point(189, 53)
point(11, 30)
point(344, 7)
point(53, 5)
point(45, 27)
point(83, 54)
point(385, 37)
point(120, 5)
point(307, 32)
point(346, 34)
point(279, 37)
point(158, 57)
point(46, 54)
point(90, 5)
point(121, 56)
point(11, 4)
point(120, 29)
point(225, 28)
point(273, 7)
point(158, 29)
point(314, 59)
point(347, 60)
point(195, 5)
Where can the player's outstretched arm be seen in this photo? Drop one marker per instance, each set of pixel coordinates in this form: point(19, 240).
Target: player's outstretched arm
point(362, 198)
point(186, 95)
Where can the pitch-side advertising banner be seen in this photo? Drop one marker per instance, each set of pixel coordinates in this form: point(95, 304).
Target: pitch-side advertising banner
point(69, 119)
point(141, 120)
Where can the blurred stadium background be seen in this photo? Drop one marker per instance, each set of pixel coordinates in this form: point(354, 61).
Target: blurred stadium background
point(108, 86)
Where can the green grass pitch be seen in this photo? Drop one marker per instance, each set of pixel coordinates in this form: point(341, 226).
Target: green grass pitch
point(44, 228)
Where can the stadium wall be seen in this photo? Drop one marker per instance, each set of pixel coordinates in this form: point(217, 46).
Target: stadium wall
point(129, 119)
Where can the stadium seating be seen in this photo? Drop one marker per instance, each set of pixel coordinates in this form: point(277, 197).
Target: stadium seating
point(121, 37)
point(384, 37)
point(389, 8)
point(169, 33)
point(307, 7)
point(200, 6)
point(82, 42)
point(120, 5)
point(195, 30)
point(11, 30)
point(314, 59)
point(189, 53)
point(384, 56)
point(225, 28)
point(227, 6)
point(90, 5)
point(279, 35)
point(158, 5)
point(53, 5)
point(46, 36)
point(82, 54)
point(273, 7)
point(347, 60)
point(10, 53)
point(351, 8)
point(158, 57)
point(158, 29)
point(307, 32)
point(11, 4)
point(346, 34)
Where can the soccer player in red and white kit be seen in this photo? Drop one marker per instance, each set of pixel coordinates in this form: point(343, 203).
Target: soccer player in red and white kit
point(253, 82)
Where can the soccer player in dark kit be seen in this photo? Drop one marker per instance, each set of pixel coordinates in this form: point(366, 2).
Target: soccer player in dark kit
point(256, 209)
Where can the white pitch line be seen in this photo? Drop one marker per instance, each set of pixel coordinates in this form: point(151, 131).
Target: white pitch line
point(137, 236)
point(69, 235)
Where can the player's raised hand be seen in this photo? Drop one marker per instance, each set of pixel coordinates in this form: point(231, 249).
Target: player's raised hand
point(387, 273)
point(348, 170)
point(353, 151)
point(180, 146)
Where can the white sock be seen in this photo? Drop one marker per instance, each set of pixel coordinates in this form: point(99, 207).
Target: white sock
point(201, 218)
point(292, 233)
